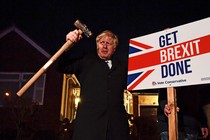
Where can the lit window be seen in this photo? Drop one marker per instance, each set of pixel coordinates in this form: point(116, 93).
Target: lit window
point(11, 83)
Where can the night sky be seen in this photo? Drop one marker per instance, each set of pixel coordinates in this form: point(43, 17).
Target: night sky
point(48, 21)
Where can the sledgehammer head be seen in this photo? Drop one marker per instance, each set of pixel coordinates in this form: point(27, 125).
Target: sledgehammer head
point(83, 28)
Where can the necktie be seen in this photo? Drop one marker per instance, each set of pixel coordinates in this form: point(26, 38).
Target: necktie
point(109, 63)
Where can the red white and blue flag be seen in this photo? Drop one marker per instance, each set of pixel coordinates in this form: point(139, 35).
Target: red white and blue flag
point(177, 56)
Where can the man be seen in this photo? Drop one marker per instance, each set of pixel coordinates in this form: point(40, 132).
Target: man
point(191, 119)
point(101, 114)
point(205, 93)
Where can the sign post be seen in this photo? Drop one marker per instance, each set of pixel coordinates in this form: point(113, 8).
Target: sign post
point(172, 117)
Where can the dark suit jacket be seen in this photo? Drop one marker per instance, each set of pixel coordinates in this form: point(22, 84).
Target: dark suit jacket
point(101, 109)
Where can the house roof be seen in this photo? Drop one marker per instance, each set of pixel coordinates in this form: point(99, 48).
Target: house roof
point(25, 37)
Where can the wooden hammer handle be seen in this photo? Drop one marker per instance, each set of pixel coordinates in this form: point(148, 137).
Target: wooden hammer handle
point(65, 47)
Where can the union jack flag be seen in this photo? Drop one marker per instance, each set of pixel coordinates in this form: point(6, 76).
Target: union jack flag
point(137, 62)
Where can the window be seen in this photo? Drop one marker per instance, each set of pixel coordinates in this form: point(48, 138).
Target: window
point(11, 83)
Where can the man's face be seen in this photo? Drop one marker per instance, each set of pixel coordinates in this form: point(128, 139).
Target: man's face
point(105, 47)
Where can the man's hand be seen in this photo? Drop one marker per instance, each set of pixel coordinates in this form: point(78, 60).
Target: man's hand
point(167, 110)
point(204, 132)
point(74, 36)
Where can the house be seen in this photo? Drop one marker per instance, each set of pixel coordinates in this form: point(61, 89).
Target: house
point(20, 59)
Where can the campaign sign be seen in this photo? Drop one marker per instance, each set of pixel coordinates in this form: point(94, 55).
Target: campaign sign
point(173, 57)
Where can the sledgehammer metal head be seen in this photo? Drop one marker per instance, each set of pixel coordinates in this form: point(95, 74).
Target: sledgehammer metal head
point(83, 28)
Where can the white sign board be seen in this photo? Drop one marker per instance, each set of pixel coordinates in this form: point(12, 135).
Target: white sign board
point(173, 57)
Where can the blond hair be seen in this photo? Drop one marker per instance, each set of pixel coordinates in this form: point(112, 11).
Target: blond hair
point(110, 34)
